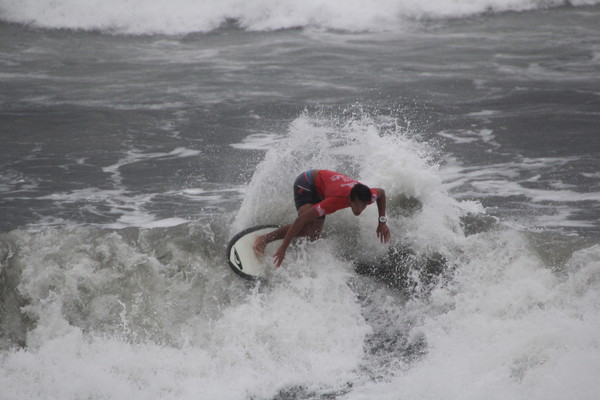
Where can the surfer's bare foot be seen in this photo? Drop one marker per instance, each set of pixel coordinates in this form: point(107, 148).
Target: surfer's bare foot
point(260, 243)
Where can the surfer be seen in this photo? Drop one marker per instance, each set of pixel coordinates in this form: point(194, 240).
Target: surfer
point(316, 194)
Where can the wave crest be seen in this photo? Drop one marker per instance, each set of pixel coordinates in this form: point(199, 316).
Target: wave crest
point(185, 16)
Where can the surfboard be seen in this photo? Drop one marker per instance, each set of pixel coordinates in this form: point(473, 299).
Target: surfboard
point(241, 256)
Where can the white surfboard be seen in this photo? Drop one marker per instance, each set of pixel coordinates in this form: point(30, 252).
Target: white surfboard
point(241, 255)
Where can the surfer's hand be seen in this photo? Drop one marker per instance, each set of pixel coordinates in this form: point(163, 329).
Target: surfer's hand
point(279, 256)
point(259, 245)
point(383, 232)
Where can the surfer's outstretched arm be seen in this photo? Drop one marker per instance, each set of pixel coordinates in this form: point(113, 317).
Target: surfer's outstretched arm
point(297, 228)
point(311, 227)
point(383, 232)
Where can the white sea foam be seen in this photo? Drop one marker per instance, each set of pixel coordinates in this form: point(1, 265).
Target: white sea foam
point(563, 217)
point(135, 156)
point(483, 113)
point(593, 175)
point(13, 182)
point(257, 141)
point(130, 210)
point(133, 209)
point(184, 16)
point(158, 314)
point(552, 203)
point(505, 188)
point(305, 328)
point(513, 329)
point(463, 136)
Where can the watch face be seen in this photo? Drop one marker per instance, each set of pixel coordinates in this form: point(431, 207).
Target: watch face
point(382, 219)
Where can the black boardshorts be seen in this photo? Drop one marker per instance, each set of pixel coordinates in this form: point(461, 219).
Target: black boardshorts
point(305, 191)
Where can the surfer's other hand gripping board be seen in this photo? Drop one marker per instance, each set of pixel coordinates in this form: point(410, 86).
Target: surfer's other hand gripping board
point(241, 256)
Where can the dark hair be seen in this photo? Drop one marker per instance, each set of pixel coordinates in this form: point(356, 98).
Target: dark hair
point(360, 192)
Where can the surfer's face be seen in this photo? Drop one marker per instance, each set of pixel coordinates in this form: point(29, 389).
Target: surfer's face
point(358, 206)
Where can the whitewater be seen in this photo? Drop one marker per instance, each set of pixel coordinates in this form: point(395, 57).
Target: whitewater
point(185, 16)
point(138, 137)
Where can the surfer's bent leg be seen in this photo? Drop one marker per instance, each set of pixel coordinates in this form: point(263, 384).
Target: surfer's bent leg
point(305, 196)
point(313, 229)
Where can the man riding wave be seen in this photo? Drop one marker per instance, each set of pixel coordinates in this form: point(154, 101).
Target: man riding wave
point(316, 194)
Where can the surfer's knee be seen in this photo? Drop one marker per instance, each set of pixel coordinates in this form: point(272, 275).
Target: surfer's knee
point(313, 229)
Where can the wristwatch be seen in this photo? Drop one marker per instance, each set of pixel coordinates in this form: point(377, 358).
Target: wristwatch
point(383, 219)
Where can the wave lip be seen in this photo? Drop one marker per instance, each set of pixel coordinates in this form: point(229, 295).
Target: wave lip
point(186, 16)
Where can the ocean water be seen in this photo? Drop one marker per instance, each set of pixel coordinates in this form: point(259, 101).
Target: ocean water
point(138, 137)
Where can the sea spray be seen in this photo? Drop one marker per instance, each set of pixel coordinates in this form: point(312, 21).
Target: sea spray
point(374, 149)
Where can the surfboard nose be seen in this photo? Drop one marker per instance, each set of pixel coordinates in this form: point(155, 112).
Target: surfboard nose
point(241, 256)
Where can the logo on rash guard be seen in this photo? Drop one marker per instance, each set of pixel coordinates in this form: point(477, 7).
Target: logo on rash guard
point(320, 210)
point(351, 183)
point(338, 177)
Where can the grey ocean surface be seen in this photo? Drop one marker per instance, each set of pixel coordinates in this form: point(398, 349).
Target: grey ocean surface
point(128, 161)
point(79, 108)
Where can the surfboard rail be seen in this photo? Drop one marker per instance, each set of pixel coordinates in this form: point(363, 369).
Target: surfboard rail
point(241, 256)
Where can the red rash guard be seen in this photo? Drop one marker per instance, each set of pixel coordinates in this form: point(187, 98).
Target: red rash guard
point(334, 189)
